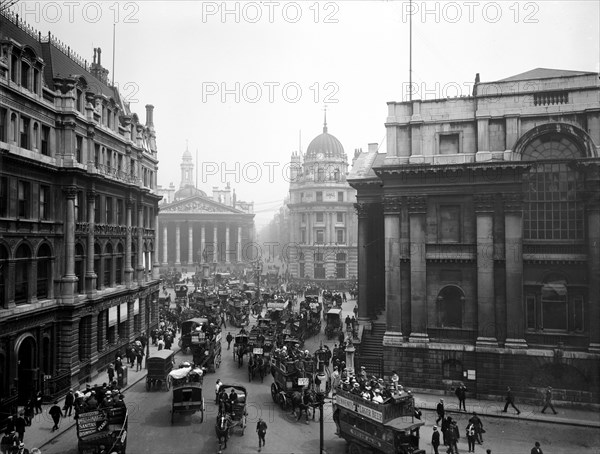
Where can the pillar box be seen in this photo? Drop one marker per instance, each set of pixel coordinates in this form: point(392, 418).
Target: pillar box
point(350, 350)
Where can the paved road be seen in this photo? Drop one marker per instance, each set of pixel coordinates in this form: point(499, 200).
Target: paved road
point(151, 432)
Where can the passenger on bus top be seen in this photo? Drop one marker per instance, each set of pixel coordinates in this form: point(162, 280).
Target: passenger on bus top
point(377, 396)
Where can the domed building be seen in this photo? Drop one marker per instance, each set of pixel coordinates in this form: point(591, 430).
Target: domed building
point(196, 229)
point(322, 218)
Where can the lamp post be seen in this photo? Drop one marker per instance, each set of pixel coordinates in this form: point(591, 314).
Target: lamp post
point(322, 390)
point(148, 312)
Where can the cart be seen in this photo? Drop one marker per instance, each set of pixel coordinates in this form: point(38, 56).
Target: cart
point(236, 411)
point(206, 352)
point(240, 348)
point(188, 327)
point(187, 392)
point(334, 323)
point(159, 367)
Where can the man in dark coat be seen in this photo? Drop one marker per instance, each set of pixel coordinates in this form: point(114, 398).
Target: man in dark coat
point(452, 436)
point(56, 414)
point(69, 401)
point(461, 393)
point(510, 400)
point(229, 338)
point(435, 440)
point(548, 400)
point(348, 323)
point(440, 411)
point(20, 426)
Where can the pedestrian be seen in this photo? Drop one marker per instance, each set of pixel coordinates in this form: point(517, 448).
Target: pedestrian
point(21, 449)
point(440, 411)
point(348, 322)
point(536, 449)
point(471, 436)
point(435, 440)
point(28, 412)
point(445, 426)
point(38, 402)
point(161, 343)
point(261, 430)
point(479, 431)
point(8, 442)
point(69, 401)
point(56, 413)
point(139, 358)
point(223, 320)
point(355, 310)
point(510, 400)
point(229, 338)
point(461, 393)
point(548, 400)
point(20, 426)
point(110, 370)
point(452, 436)
point(217, 388)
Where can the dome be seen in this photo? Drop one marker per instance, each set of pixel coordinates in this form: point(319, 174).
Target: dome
point(324, 146)
point(188, 191)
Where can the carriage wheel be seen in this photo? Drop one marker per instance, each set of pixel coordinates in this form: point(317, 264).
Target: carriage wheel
point(274, 392)
point(282, 401)
point(243, 422)
point(355, 449)
point(168, 383)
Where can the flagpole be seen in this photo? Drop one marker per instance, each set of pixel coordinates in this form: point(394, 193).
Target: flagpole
point(113, 65)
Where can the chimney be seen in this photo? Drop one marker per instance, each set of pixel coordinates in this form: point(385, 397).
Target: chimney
point(96, 68)
point(373, 147)
point(149, 115)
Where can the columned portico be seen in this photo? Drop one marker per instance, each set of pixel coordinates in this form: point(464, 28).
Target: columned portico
point(393, 303)
point(362, 210)
point(417, 208)
point(203, 257)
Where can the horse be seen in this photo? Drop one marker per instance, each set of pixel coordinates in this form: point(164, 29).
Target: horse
point(238, 352)
point(303, 401)
point(222, 428)
point(256, 364)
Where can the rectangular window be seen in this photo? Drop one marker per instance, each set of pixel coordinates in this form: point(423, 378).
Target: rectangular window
point(44, 202)
point(340, 236)
point(340, 196)
point(79, 207)
point(24, 199)
point(109, 210)
point(530, 303)
point(340, 270)
point(96, 155)
point(108, 159)
point(132, 168)
point(319, 271)
point(449, 144)
point(302, 271)
point(3, 124)
point(119, 211)
point(320, 235)
point(24, 132)
point(119, 162)
point(303, 218)
point(339, 217)
point(320, 217)
point(319, 196)
point(78, 148)
point(449, 224)
point(25, 75)
point(554, 307)
point(36, 81)
point(46, 140)
point(318, 256)
point(578, 316)
point(3, 197)
point(302, 236)
point(97, 212)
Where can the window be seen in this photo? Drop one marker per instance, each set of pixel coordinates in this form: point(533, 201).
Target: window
point(3, 197)
point(44, 202)
point(340, 196)
point(340, 236)
point(450, 307)
point(36, 81)
point(302, 271)
point(554, 305)
point(97, 263)
point(303, 218)
point(119, 211)
point(24, 200)
point(302, 236)
point(24, 133)
point(3, 125)
point(320, 217)
point(79, 212)
point(449, 224)
point(452, 370)
point(79, 270)
point(97, 219)
point(108, 210)
point(14, 67)
point(320, 235)
point(79, 105)
point(132, 167)
point(78, 148)
point(108, 159)
point(553, 209)
point(319, 266)
point(339, 217)
point(22, 266)
point(25, 75)
point(449, 144)
point(301, 197)
point(577, 315)
point(340, 265)
point(530, 306)
point(36, 135)
point(108, 261)
point(43, 271)
point(96, 155)
point(119, 265)
point(45, 140)
point(319, 196)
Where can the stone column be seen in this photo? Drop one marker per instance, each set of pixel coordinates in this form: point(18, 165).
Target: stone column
point(165, 261)
point(69, 280)
point(593, 221)
point(239, 244)
point(90, 274)
point(155, 259)
point(141, 268)
point(215, 244)
point(128, 264)
point(513, 236)
point(177, 245)
point(486, 311)
point(417, 208)
point(190, 243)
point(393, 303)
point(362, 210)
point(227, 258)
point(203, 244)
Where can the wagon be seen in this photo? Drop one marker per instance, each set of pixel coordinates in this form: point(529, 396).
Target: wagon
point(236, 410)
point(188, 327)
point(159, 367)
point(187, 392)
point(334, 322)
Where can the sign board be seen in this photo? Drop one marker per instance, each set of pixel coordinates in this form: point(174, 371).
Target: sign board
point(361, 409)
point(91, 422)
point(136, 306)
point(197, 337)
point(257, 350)
point(113, 316)
point(303, 381)
point(287, 331)
point(470, 374)
point(123, 312)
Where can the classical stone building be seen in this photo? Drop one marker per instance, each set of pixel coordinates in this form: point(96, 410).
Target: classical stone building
point(77, 217)
point(198, 230)
point(483, 219)
point(322, 229)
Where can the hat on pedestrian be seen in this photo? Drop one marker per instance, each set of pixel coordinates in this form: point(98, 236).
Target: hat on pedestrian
point(362, 367)
point(21, 445)
point(377, 390)
point(435, 427)
point(441, 400)
point(356, 385)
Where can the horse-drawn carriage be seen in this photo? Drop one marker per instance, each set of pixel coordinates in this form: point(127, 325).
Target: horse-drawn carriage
point(240, 348)
point(187, 328)
point(187, 391)
point(181, 294)
point(313, 319)
point(159, 365)
point(258, 363)
point(206, 349)
point(334, 323)
point(207, 304)
point(238, 311)
point(232, 414)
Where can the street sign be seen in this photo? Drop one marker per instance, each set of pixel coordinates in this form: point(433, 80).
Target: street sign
point(303, 381)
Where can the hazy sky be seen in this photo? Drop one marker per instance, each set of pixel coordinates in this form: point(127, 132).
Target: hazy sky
point(240, 80)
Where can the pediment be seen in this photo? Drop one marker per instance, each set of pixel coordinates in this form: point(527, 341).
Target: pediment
point(198, 205)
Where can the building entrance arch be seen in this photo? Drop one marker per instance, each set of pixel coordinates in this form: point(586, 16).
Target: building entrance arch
point(27, 367)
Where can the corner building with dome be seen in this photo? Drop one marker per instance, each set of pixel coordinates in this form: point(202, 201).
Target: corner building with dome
point(322, 218)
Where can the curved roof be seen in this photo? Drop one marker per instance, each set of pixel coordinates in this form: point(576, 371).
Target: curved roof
point(188, 191)
point(327, 145)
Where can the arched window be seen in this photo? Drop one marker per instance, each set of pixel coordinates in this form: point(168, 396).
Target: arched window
point(450, 307)
point(108, 262)
point(22, 268)
point(119, 263)
point(340, 265)
point(44, 275)
point(452, 369)
point(3, 275)
point(553, 209)
point(80, 267)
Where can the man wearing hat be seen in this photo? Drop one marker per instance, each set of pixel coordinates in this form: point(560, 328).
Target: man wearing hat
point(440, 411)
point(335, 380)
point(435, 440)
point(356, 389)
point(56, 414)
point(548, 400)
point(377, 396)
point(22, 449)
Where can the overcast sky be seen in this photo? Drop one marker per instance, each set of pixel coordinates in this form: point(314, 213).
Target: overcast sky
point(239, 80)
